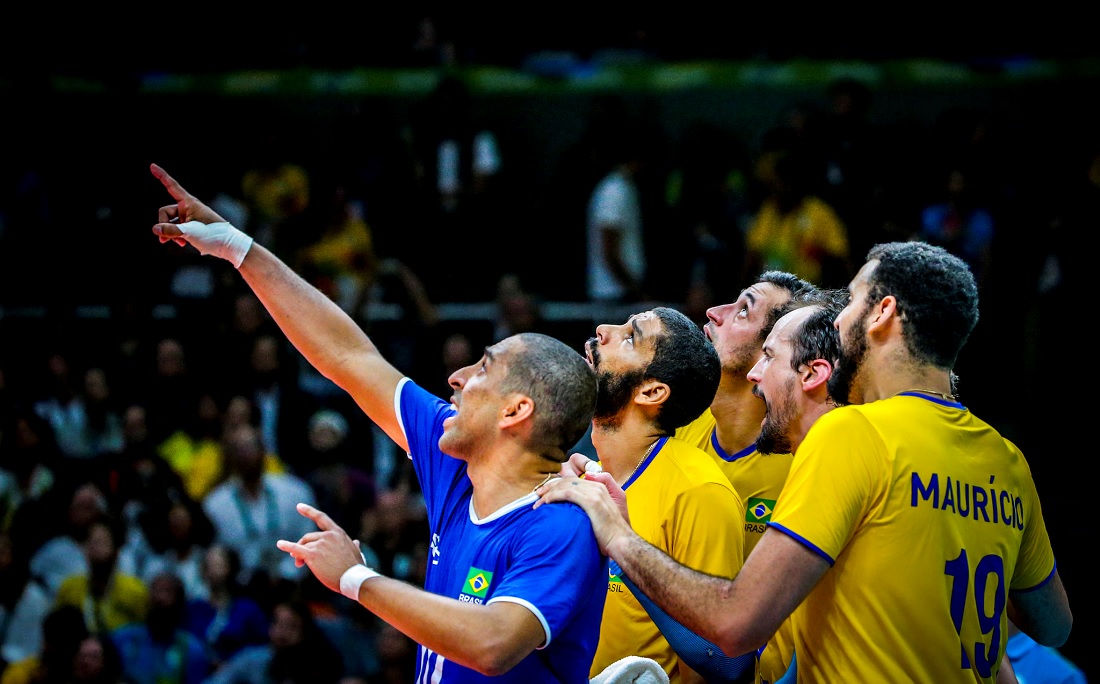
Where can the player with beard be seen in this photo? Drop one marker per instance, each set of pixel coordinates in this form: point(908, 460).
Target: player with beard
point(908, 532)
point(655, 373)
point(728, 429)
point(492, 602)
point(798, 359)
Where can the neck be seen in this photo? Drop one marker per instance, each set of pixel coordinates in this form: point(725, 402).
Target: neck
point(928, 378)
point(621, 449)
point(737, 415)
point(496, 485)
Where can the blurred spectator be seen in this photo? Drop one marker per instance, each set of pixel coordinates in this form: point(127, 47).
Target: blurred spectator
point(172, 537)
point(282, 408)
point(24, 604)
point(298, 652)
point(517, 309)
point(343, 490)
point(792, 229)
point(276, 193)
point(393, 530)
point(63, 630)
point(84, 417)
point(960, 222)
point(615, 240)
point(97, 661)
point(253, 509)
point(222, 616)
point(27, 452)
point(63, 554)
point(170, 391)
point(159, 650)
point(109, 597)
point(397, 653)
point(459, 164)
point(194, 452)
point(708, 195)
point(849, 143)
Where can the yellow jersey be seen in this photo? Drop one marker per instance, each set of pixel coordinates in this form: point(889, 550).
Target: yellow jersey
point(928, 517)
point(681, 503)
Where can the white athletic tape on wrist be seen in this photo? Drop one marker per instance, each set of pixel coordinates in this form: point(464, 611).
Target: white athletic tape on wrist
point(220, 239)
point(353, 578)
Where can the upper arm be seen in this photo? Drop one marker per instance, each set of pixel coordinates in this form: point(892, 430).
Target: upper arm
point(372, 382)
point(514, 633)
point(1043, 613)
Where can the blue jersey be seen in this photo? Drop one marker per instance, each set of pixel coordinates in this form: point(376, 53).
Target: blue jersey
point(545, 559)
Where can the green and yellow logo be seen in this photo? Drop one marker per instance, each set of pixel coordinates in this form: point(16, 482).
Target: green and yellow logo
point(477, 582)
point(759, 510)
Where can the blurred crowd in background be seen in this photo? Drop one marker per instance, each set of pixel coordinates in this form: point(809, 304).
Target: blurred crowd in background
point(156, 428)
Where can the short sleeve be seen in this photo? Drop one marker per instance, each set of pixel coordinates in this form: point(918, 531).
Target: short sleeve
point(554, 558)
point(836, 472)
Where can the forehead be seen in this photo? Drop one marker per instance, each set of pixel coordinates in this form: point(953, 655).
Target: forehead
point(862, 281)
point(786, 328)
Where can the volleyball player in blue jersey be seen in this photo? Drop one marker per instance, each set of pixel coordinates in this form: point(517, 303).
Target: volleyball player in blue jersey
point(511, 591)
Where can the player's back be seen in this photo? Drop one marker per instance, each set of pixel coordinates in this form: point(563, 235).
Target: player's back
point(929, 516)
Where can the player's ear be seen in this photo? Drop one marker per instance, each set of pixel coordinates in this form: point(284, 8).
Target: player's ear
point(517, 408)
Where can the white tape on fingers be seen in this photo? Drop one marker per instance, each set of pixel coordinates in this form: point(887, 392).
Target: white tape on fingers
point(220, 239)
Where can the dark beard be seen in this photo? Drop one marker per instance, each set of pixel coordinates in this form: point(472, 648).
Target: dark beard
point(614, 393)
point(774, 438)
point(851, 358)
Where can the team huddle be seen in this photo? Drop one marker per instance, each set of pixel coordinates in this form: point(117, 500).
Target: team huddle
point(790, 492)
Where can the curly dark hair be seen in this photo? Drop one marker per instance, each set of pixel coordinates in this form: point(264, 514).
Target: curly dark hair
point(687, 362)
point(937, 297)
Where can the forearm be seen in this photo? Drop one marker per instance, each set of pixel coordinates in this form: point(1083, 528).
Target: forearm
point(325, 335)
point(445, 625)
point(697, 601)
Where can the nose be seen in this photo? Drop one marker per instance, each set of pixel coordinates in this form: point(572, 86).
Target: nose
point(717, 313)
point(754, 374)
point(457, 380)
point(602, 332)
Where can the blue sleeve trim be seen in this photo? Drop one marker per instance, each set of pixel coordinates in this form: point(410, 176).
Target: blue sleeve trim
point(803, 541)
point(1040, 585)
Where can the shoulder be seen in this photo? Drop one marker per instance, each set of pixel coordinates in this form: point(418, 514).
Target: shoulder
point(692, 464)
point(698, 431)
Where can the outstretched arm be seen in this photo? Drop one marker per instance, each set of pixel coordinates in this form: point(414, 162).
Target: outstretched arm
point(737, 615)
point(327, 337)
point(506, 632)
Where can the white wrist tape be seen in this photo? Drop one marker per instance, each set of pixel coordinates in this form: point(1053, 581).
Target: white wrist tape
point(220, 239)
point(353, 578)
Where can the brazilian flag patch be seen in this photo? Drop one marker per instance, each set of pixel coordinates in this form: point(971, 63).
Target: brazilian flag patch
point(759, 510)
point(477, 582)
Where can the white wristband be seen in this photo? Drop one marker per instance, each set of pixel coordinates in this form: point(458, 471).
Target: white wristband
point(353, 578)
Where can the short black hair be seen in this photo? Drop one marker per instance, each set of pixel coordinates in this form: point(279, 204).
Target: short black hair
point(688, 363)
point(937, 297)
point(563, 387)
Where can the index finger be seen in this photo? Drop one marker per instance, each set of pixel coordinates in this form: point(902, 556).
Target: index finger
point(319, 517)
point(174, 189)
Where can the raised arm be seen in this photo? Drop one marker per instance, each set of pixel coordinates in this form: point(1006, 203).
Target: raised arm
point(327, 337)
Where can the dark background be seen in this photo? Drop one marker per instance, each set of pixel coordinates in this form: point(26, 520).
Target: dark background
point(83, 120)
